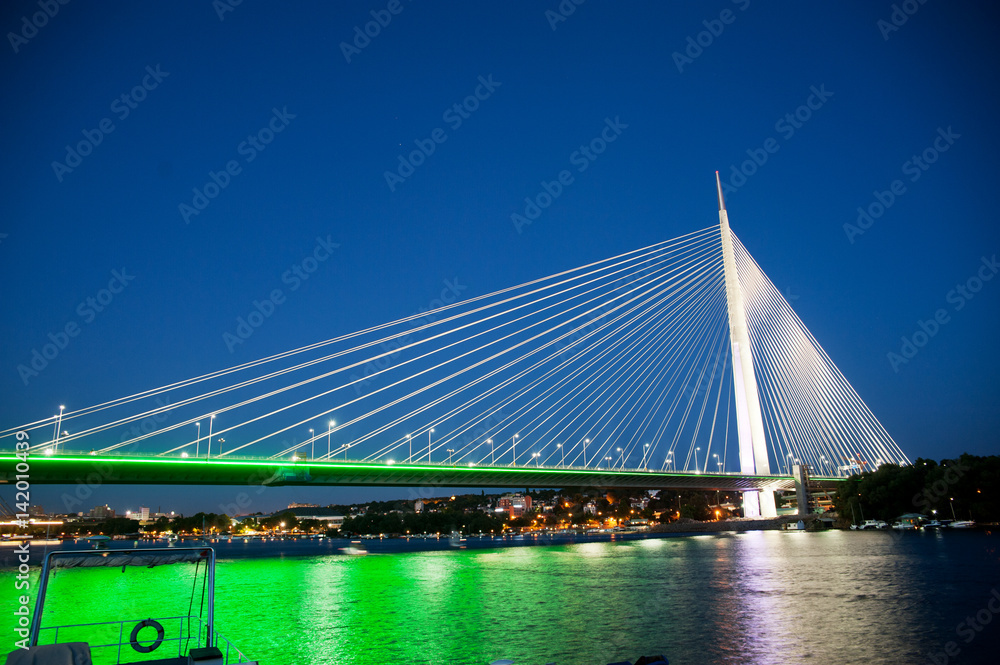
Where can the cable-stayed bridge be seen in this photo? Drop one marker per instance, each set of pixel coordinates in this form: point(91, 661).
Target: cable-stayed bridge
point(675, 365)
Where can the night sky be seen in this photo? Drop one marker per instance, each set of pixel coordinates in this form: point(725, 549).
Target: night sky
point(175, 165)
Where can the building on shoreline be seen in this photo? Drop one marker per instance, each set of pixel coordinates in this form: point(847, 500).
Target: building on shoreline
point(515, 505)
point(332, 518)
point(102, 512)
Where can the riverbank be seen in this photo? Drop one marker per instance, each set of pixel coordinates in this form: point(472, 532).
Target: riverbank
point(306, 547)
point(741, 524)
point(238, 548)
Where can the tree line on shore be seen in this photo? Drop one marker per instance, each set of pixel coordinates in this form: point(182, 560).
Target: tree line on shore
point(968, 485)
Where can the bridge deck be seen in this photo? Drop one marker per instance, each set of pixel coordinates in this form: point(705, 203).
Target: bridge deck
point(154, 470)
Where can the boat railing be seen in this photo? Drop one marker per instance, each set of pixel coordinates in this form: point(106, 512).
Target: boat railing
point(189, 630)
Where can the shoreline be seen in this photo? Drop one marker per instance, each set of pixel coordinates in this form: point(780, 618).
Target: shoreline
point(352, 547)
point(739, 524)
point(305, 547)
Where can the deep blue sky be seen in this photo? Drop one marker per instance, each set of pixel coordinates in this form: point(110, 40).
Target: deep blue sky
point(323, 176)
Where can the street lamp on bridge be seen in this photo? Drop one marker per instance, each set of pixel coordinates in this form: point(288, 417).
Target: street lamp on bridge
point(58, 426)
point(429, 432)
point(585, 442)
point(513, 450)
point(621, 459)
point(670, 458)
point(312, 455)
point(409, 440)
point(208, 452)
point(696, 459)
point(563, 451)
point(329, 435)
point(197, 444)
point(645, 451)
point(450, 451)
point(492, 459)
point(536, 456)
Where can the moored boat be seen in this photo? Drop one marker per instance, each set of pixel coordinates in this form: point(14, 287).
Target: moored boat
point(356, 548)
point(95, 639)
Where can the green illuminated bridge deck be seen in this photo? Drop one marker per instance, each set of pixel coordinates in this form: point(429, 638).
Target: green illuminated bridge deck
point(154, 470)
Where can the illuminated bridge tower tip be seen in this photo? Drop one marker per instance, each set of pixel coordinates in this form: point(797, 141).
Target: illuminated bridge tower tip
point(750, 424)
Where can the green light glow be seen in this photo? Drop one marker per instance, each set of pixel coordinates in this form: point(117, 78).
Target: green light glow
point(163, 470)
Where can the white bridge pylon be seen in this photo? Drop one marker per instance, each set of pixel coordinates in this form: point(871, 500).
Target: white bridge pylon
point(749, 421)
point(681, 356)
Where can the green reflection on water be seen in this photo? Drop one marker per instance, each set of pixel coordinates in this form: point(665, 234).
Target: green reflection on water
point(758, 597)
point(467, 606)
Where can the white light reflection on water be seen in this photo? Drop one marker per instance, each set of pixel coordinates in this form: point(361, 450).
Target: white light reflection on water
point(772, 597)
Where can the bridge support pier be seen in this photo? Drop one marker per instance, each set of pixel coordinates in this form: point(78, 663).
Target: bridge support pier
point(759, 503)
point(800, 473)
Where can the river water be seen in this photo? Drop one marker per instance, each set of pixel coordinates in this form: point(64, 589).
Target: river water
point(760, 597)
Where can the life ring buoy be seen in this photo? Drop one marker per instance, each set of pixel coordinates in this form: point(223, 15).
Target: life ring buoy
point(134, 637)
